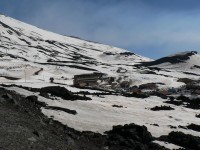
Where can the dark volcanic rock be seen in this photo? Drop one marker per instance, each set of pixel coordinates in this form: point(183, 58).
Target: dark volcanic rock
point(172, 127)
point(5, 96)
point(183, 140)
point(183, 98)
point(73, 112)
point(62, 92)
point(150, 86)
point(182, 127)
point(159, 94)
point(174, 102)
point(138, 95)
point(34, 99)
point(193, 103)
point(155, 125)
point(157, 108)
point(185, 80)
point(194, 127)
point(118, 106)
point(130, 137)
point(127, 53)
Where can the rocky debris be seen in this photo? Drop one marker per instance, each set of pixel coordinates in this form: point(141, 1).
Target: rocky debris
point(195, 66)
point(182, 127)
point(137, 95)
point(192, 87)
point(185, 80)
point(193, 103)
point(109, 53)
point(127, 53)
point(62, 92)
point(198, 115)
point(34, 99)
point(174, 102)
point(155, 125)
point(73, 112)
point(158, 108)
point(184, 140)
point(194, 127)
point(8, 98)
point(130, 137)
point(183, 98)
point(5, 96)
point(172, 127)
point(190, 73)
point(159, 94)
point(118, 106)
point(150, 86)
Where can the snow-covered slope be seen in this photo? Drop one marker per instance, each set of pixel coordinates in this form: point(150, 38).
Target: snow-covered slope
point(180, 65)
point(30, 54)
point(29, 48)
point(183, 60)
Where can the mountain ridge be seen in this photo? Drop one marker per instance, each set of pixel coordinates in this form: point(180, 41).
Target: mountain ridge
point(24, 45)
point(173, 59)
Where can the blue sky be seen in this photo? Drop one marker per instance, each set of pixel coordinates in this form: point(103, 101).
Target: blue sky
point(152, 28)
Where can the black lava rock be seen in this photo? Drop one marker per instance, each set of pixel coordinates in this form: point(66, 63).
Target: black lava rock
point(184, 140)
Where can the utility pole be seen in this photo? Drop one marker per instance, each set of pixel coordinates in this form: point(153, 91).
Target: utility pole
point(7, 49)
point(25, 74)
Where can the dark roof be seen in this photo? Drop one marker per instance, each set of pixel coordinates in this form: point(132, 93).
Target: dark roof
point(88, 75)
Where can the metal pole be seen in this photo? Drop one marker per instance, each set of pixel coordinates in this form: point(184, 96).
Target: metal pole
point(25, 74)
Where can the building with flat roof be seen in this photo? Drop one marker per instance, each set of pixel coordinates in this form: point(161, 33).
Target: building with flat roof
point(87, 79)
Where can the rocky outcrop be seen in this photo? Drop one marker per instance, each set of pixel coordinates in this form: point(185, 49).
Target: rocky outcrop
point(194, 127)
point(158, 108)
point(184, 140)
point(73, 112)
point(62, 92)
point(130, 137)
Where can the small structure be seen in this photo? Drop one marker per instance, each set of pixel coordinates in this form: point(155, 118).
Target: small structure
point(87, 79)
point(51, 79)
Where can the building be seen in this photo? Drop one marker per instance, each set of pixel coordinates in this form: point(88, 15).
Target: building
point(87, 79)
